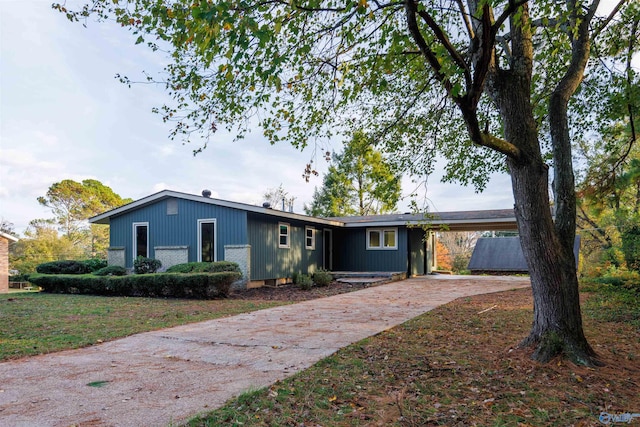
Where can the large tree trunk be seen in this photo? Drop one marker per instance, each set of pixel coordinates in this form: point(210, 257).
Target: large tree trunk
point(557, 323)
point(547, 246)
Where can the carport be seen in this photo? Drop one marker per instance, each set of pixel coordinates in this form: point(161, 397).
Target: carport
point(421, 228)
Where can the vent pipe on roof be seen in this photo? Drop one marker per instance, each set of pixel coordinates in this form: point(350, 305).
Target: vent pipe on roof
point(206, 193)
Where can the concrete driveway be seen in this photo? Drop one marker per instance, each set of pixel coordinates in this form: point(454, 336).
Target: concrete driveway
point(168, 376)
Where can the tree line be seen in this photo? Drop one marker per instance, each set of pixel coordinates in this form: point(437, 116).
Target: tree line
point(68, 235)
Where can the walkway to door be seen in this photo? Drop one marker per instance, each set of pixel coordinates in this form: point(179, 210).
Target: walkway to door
point(168, 376)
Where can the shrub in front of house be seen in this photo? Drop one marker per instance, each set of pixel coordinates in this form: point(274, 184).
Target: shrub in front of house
point(205, 267)
point(304, 281)
point(111, 270)
point(142, 265)
point(63, 267)
point(95, 264)
point(322, 278)
point(163, 285)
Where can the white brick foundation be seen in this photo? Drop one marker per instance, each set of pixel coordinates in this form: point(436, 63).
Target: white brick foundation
point(241, 255)
point(171, 255)
point(115, 256)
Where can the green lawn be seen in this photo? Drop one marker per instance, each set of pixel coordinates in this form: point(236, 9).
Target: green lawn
point(34, 323)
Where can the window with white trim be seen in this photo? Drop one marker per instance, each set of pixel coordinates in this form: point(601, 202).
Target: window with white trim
point(382, 238)
point(310, 238)
point(284, 237)
point(207, 240)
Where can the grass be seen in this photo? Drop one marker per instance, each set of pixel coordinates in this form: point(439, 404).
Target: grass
point(34, 323)
point(457, 366)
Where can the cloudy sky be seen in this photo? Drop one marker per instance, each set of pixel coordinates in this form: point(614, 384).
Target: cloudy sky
point(63, 115)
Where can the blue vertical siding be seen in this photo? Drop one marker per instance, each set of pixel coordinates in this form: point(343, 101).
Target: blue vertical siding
point(179, 229)
point(350, 252)
point(269, 261)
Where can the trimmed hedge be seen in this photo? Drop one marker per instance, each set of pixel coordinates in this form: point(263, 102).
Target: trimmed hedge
point(205, 267)
point(63, 267)
point(198, 285)
point(111, 270)
point(95, 264)
point(72, 266)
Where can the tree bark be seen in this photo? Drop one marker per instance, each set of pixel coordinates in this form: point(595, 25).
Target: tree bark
point(557, 323)
point(547, 245)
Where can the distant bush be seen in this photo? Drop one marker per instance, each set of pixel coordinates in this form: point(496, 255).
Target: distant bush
point(196, 285)
point(111, 270)
point(322, 277)
point(24, 277)
point(63, 267)
point(621, 278)
point(95, 264)
point(143, 265)
point(460, 263)
point(204, 267)
point(304, 281)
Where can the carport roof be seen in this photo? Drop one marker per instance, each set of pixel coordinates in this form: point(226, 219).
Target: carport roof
point(496, 219)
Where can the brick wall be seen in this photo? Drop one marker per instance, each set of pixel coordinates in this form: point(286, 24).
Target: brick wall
point(240, 254)
point(171, 255)
point(115, 256)
point(4, 265)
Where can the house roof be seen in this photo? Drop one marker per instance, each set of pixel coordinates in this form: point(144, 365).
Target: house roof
point(105, 217)
point(503, 219)
point(9, 237)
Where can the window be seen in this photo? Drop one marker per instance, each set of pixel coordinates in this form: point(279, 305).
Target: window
point(310, 238)
point(207, 240)
point(382, 238)
point(140, 239)
point(283, 235)
point(172, 207)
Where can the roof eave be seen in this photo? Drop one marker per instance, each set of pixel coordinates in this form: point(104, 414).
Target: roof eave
point(9, 236)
